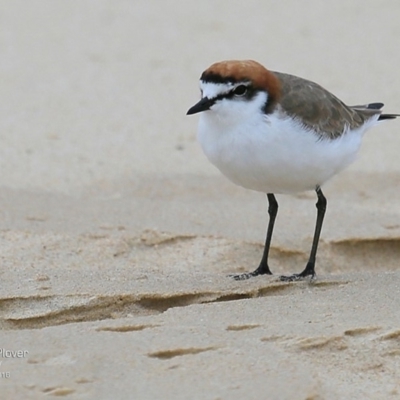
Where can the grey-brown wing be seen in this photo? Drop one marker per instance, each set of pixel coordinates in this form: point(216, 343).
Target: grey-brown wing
point(320, 110)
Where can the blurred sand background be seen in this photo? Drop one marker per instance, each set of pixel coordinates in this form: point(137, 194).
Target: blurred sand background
point(117, 235)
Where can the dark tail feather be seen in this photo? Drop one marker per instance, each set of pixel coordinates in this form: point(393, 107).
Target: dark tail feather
point(378, 106)
point(375, 106)
point(388, 116)
point(371, 106)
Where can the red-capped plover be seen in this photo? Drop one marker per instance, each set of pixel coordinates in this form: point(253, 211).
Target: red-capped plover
point(277, 133)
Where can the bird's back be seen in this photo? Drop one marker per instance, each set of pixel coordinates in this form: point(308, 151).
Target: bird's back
point(319, 109)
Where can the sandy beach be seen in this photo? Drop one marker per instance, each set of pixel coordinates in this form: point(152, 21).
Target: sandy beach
point(118, 236)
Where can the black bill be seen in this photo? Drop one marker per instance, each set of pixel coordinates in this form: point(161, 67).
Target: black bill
point(203, 105)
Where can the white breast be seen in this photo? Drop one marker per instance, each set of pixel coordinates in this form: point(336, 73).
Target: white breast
point(274, 153)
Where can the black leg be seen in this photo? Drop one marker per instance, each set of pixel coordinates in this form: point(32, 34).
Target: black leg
point(263, 268)
point(310, 267)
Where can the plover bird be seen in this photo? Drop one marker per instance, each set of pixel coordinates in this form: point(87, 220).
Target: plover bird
point(278, 133)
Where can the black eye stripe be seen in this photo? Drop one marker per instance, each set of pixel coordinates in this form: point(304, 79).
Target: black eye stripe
point(248, 94)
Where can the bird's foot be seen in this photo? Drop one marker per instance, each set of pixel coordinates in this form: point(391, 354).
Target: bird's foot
point(261, 270)
point(296, 277)
point(308, 271)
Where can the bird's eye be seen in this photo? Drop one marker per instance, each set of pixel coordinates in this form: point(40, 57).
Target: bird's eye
point(240, 90)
